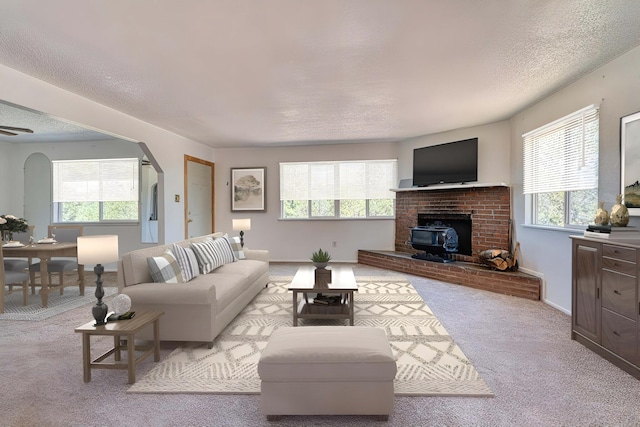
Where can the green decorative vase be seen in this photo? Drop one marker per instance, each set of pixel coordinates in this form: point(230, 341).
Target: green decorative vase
point(602, 216)
point(619, 215)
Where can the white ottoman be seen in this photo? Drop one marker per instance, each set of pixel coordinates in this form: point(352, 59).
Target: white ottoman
point(327, 370)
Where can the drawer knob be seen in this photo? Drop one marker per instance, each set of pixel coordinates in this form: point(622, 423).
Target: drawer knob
point(616, 333)
point(617, 292)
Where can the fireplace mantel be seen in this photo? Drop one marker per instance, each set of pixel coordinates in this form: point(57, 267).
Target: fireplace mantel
point(452, 186)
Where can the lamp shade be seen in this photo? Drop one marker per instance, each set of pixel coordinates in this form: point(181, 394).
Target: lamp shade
point(241, 224)
point(97, 249)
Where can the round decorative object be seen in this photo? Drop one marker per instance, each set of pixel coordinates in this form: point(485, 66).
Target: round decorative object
point(121, 304)
point(321, 265)
point(602, 216)
point(619, 216)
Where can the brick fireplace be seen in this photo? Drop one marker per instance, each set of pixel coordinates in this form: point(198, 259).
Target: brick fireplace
point(489, 208)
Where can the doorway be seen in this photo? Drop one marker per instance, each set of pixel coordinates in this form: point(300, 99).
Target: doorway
point(198, 197)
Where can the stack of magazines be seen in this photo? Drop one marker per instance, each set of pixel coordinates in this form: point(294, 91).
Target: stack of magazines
point(327, 300)
point(610, 232)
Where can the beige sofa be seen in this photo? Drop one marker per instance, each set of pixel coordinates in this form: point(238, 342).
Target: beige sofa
point(201, 308)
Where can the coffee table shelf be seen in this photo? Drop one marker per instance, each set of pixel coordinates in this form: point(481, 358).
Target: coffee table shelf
point(309, 310)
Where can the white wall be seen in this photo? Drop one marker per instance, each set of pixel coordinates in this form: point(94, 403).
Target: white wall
point(167, 148)
point(494, 145)
point(295, 240)
point(615, 87)
point(129, 235)
point(6, 179)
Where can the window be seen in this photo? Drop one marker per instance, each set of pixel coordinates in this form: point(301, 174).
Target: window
point(352, 189)
point(100, 190)
point(561, 170)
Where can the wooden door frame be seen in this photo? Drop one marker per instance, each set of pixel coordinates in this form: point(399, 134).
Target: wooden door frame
point(188, 158)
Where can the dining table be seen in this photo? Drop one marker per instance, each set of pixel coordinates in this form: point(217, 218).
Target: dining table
point(46, 251)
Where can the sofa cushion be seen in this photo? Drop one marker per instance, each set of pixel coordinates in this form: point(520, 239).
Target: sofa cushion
point(187, 261)
point(212, 254)
point(172, 294)
point(248, 269)
point(236, 246)
point(228, 288)
point(165, 268)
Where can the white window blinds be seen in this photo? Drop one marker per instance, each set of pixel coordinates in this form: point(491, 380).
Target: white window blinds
point(563, 155)
point(367, 179)
point(96, 180)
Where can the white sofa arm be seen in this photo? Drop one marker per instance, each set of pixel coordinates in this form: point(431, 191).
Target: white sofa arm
point(257, 254)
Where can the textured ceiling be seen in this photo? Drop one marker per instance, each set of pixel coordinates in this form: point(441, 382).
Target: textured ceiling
point(44, 127)
point(278, 72)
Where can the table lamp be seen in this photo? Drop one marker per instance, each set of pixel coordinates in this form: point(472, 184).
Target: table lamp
point(242, 225)
point(97, 250)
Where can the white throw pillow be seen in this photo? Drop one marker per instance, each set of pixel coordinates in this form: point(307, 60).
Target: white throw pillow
point(165, 268)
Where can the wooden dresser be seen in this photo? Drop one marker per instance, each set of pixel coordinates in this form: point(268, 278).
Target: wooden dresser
point(605, 299)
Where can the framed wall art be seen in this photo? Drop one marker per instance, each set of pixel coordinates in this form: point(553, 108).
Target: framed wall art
point(630, 162)
point(248, 187)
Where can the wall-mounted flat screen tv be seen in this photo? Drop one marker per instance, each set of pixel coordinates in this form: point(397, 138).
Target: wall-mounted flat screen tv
point(453, 162)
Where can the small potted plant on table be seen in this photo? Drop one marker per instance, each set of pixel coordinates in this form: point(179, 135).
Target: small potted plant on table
point(320, 259)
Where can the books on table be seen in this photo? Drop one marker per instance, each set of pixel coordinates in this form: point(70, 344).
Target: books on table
point(610, 232)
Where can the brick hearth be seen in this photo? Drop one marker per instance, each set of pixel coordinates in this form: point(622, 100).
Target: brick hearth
point(461, 273)
point(490, 211)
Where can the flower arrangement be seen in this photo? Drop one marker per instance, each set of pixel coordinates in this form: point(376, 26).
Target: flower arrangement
point(12, 224)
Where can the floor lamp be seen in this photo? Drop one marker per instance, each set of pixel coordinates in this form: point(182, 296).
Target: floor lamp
point(242, 225)
point(97, 250)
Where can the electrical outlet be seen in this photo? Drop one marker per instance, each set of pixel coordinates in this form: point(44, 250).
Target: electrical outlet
point(334, 244)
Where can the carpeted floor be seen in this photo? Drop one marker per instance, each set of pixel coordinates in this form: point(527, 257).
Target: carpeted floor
point(521, 348)
point(429, 361)
point(15, 310)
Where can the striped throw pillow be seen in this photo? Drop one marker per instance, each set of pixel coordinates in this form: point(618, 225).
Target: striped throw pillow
point(165, 268)
point(187, 261)
point(212, 254)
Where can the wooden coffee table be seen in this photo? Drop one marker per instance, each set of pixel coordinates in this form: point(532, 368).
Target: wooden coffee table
point(121, 328)
point(343, 283)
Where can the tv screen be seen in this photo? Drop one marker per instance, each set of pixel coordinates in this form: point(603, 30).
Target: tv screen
point(453, 162)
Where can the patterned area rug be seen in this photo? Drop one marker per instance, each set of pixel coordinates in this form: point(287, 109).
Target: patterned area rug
point(429, 361)
point(14, 310)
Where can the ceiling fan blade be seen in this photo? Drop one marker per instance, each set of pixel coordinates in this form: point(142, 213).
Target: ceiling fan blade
point(16, 129)
point(4, 132)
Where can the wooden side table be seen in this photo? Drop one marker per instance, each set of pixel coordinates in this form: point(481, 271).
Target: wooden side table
point(121, 328)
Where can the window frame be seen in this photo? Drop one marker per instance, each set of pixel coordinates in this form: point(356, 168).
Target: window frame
point(532, 199)
point(337, 201)
point(57, 207)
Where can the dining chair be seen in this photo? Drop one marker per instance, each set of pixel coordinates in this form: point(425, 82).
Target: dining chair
point(58, 266)
point(20, 264)
point(9, 279)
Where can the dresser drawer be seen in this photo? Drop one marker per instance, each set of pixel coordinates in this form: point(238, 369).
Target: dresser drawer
point(614, 264)
point(625, 254)
point(620, 335)
point(619, 293)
